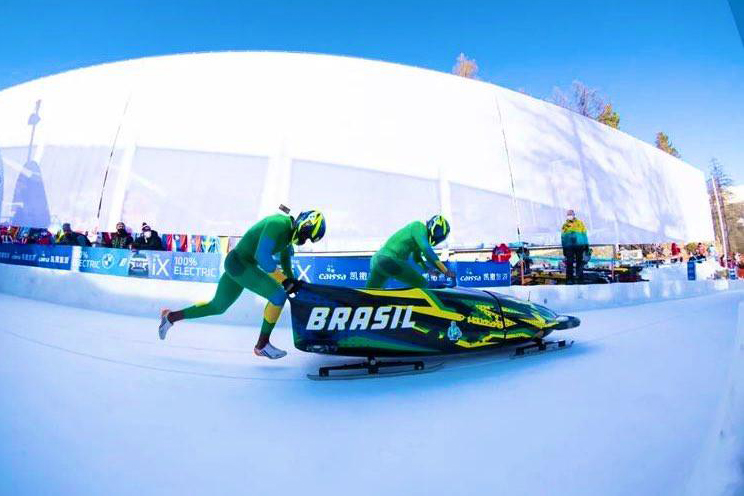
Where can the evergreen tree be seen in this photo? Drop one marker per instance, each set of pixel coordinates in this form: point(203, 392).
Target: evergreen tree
point(721, 181)
point(663, 143)
point(609, 117)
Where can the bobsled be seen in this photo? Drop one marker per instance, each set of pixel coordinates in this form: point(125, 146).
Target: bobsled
point(409, 323)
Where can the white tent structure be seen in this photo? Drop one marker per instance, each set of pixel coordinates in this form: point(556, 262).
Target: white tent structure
point(207, 143)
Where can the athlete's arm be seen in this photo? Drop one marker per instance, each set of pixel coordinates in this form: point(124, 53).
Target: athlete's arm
point(286, 261)
point(422, 241)
point(266, 246)
point(425, 249)
point(418, 259)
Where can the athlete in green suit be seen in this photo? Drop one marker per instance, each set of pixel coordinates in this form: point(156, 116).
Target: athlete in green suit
point(413, 241)
point(250, 265)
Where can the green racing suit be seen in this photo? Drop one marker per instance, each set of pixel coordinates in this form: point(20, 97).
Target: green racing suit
point(391, 261)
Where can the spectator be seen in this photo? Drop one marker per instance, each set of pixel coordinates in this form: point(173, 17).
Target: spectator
point(71, 238)
point(148, 240)
point(676, 253)
point(39, 236)
point(5, 236)
point(121, 238)
point(575, 243)
point(501, 253)
point(103, 239)
point(699, 254)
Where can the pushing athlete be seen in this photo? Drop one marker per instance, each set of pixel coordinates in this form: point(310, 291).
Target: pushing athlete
point(413, 241)
point(251, 265)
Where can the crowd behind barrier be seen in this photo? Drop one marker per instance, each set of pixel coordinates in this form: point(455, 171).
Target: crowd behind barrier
point(347, 271)
point(194, 243)
point(198, 258)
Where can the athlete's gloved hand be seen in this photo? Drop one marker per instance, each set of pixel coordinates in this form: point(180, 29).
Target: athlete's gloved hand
point(449, 273)
point(292, 285)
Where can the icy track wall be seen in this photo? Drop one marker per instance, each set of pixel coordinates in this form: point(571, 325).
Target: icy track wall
point(720, 467)
point(145, 297)
point(208, 143)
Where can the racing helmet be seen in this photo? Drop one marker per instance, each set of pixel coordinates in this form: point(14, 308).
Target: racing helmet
point(308, 225)
point(438, 228)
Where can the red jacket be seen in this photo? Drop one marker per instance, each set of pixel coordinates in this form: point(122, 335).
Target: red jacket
point(501, 253)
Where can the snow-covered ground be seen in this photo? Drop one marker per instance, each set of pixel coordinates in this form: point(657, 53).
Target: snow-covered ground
point(94, 403)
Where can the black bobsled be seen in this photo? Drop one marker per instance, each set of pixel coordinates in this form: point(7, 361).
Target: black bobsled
point(414, 322)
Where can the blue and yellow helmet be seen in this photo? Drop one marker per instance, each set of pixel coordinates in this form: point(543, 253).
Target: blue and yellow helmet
point(438, 229)
point(308, 225)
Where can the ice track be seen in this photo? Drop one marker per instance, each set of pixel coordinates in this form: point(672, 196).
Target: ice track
point(95, 403)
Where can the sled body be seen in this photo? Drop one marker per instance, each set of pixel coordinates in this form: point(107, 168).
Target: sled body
point(414, 322)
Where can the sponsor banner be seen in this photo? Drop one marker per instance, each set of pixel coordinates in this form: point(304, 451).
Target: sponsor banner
point(197, 267)
point(176, 266)
point(201, 267)
point(483, 274)
point(110, 261)
point(349, 272)
point(353, 272)
point(435, 278)
point(45, 256)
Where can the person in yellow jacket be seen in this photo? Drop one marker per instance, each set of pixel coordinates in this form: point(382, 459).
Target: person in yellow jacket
point(575, 244)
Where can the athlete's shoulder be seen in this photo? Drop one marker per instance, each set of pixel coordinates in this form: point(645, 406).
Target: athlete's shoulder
point(278, 220)
point(417, 226)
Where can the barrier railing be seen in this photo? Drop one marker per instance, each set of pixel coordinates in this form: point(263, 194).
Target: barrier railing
point(342, 270)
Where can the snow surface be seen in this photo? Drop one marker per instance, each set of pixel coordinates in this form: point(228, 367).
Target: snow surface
point(94, 403)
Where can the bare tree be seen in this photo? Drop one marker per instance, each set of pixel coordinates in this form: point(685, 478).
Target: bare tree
point(583, 100)
point(465, 67)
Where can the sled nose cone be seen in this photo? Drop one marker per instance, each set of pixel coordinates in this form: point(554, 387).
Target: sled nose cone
point(567, 322)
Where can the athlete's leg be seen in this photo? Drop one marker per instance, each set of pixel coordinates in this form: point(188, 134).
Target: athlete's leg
point(256, 280)
point(410, 276)
point(226, 294)
point(401, 271)
point(377, 277)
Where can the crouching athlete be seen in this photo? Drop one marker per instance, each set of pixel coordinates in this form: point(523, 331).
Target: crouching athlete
point(251, 265)
point(413, 241)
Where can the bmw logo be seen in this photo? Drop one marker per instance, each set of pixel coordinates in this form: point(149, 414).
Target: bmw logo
point(107, 261)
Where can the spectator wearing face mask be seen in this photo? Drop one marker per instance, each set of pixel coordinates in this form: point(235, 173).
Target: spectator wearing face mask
point(148, 239)
point(121, 238)
point(575, 243)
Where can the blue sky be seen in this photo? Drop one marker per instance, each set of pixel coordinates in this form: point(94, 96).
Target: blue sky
point(676, 66)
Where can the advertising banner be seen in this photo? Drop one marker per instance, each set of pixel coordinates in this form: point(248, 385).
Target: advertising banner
point(353, 272)
point(200, 267)
point(177, 266)
point(349, 272)
point(45, 256)
point(483, 274)
point(108, 261)
point(196, 267)
point(691, 270)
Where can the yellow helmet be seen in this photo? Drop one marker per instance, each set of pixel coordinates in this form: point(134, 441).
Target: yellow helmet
point(308, 225)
